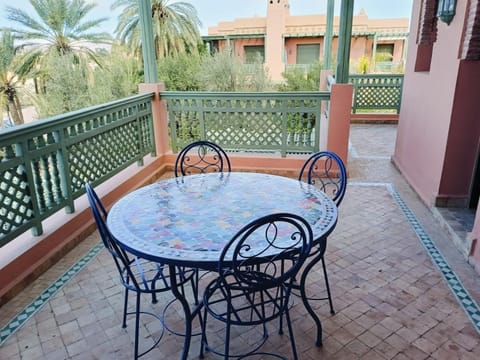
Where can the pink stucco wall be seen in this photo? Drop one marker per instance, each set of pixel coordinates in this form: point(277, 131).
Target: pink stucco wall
point(438, 132)
point(277, 12)
point(280, 25)
point(397, 50)
point(427, 105)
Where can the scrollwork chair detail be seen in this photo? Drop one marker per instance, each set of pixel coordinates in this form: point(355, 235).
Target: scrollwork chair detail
point(326, 170)
point(256, 270)
point(201, 157)
point(138, 275)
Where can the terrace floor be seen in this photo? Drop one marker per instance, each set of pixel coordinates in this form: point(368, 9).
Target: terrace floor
point(401, 288)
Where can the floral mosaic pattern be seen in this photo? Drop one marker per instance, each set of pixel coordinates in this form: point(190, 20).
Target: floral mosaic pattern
point(192, 218)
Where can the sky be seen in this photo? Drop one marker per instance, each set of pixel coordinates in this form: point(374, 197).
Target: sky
point(212, 12)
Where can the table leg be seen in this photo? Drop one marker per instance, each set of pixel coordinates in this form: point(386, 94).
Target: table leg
point(186, 309)
point(303, 293)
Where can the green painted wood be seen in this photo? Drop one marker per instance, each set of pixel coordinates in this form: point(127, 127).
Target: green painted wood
point(44, 164)
point(344, 41)
point(376, 92)
point(148, 45)
point(327, 57)
point(283, 122)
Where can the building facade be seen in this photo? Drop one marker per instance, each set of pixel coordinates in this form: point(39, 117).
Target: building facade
point(438, 138)
point(281, 40)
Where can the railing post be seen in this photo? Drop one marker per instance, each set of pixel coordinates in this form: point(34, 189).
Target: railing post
point(344, 41)
point(327, 52)
point(160, 117)
point(339, 119)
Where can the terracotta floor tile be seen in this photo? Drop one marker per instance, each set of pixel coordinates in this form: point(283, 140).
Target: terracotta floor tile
point(391, 301)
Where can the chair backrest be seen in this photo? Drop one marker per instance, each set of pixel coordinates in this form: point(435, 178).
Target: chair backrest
point(326, 170)
point(201, 157)
point(120, 257)
point(267, 252)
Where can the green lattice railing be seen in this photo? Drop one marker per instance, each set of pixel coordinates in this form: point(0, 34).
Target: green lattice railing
point(376, 92)
point(43, 165)
point(261, 122)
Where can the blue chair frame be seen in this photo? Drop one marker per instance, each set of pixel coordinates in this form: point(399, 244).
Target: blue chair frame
point(256, 272)
point(138, 275)
point(201, 157)
point(326, 170)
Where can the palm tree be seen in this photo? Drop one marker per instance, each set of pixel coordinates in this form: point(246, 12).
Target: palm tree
point(175, 27)
point(9, 80)
point(59, 26)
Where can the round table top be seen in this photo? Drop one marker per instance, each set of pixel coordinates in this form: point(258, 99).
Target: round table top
point(190, 219)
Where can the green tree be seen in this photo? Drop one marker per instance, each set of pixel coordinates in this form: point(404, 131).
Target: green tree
point(297, 79)
point(225, 72)
point(58, 26)
point(363, 65)
point(175, 27)
point(9, 81)
point(180, 72)
point(118, 78)
point(66, 88)
point(71, 87)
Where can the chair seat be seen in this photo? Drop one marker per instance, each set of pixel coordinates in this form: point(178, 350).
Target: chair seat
point(255, 274)
point(248, 306)
point(325, 170)
point(136, 274)
point(153, 277)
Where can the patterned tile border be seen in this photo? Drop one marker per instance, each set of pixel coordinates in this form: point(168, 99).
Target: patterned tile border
point(16, 322)
point(465, 300)
point(462, 295)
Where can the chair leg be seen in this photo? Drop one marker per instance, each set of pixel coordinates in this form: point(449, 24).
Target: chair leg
point(125, 305)
point(292, 337)
point(137, 324)
point(332, 311)
point(227, 334)
point(194, 282)
point(203, 342)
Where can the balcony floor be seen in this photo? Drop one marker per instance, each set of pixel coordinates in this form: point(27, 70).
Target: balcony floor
point(401, 288)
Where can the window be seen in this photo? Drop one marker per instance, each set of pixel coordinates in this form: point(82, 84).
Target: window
point(254, 54)
point(384, 52)
point(308, 54)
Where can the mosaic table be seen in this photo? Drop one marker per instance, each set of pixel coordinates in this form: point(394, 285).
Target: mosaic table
point(187, 221)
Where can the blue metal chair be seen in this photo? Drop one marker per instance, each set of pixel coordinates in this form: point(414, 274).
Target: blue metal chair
point(326, 170)
point(201, 157)
point(256, 270)
point(138, 275)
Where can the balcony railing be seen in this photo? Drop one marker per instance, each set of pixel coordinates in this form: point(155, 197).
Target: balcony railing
point(44, 165)
point(282, 122)
point(376, 92)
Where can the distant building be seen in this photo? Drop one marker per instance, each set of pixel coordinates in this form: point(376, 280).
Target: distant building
point(282, 40)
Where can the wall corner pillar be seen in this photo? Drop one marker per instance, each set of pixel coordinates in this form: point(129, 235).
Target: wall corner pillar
point(160, 117)
point(339, 119)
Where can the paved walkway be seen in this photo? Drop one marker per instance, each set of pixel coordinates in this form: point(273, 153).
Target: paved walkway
point(401, 289)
